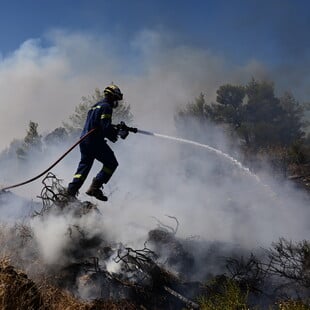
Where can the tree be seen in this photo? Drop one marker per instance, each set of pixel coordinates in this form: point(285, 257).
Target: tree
point(229, 108)
point(292, 122)
point(290, 261)
point(262, 115)
point(230, 95)
point(197, 110)
point(77, 120)
point(57, 136)
point(253, 112)
point(194, 119)
point(32, 141)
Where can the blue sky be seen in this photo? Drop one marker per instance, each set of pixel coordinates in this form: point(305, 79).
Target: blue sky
point(270, 31)
point(162, 53)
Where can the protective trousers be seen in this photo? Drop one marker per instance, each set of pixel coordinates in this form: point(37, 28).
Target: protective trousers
point(89, 152)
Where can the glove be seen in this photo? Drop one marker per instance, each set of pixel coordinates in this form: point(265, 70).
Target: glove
point(123, 130)
point(123, 133)
point(112, 134)
point(113, 139)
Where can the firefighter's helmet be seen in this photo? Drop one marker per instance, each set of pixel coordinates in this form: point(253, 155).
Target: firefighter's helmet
point(113, 91)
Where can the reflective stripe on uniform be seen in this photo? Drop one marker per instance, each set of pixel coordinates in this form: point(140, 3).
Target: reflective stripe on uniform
point(96, 107)
point(103, 116)
point(77, 176)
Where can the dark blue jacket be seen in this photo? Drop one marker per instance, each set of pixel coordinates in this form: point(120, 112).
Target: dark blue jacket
point(100, 116)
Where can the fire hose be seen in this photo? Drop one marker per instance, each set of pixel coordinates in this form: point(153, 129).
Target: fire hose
point(121, 127)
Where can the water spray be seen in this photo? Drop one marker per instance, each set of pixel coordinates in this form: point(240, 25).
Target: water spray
point(206, 146)
point(213, 150)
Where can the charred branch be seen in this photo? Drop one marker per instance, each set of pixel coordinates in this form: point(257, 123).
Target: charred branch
point(52, 193)
point(186, 301)
point(249, 273)
point(290, 261)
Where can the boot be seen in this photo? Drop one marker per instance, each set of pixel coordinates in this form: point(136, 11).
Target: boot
point(95, 191)
point(71, 193)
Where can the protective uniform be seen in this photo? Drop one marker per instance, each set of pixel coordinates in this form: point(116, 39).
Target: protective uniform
point(95, 147)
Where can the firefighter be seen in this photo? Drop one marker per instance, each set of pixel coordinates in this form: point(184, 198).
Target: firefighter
point(95, 145)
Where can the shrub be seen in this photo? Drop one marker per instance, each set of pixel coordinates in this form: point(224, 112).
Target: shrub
point(224, 294)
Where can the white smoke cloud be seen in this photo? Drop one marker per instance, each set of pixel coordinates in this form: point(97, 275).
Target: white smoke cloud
point(228, 205)
point(44, 84)
point(52, 236)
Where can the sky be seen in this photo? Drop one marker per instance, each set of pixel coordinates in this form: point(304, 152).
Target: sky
point(54, 52)
point(274, 31)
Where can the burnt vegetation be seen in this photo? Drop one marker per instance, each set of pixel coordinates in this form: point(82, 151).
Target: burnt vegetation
point(165, 273)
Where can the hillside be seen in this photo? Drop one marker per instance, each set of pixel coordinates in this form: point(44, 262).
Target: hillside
point(93, 271)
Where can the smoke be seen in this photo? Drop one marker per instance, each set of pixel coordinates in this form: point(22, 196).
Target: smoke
point(210, 197)
point(55, 230)
point(44, 83)
point(15, 209)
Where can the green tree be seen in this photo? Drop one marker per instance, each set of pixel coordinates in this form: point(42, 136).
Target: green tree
point(224, 293)
point(198, 110)
point(272, 121)
point(253, 112)
point(229, 95)
point(292, 123)
point(262, 115)
point(230, 107)
point(77, 120)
